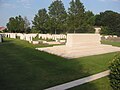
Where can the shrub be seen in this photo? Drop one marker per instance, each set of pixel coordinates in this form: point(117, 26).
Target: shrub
point(115, 73)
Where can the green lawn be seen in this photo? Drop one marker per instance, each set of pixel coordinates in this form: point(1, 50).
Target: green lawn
point(111, 43)
point(24, 68)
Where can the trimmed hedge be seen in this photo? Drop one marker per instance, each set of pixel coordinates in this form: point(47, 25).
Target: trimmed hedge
point(115, 73)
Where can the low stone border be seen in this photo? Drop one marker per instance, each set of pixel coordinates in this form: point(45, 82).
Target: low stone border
point(80, 81)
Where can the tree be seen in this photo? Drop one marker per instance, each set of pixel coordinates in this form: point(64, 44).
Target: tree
point(78, 20)
point(40, 22)
point(11, 25)
point(17, 25)
point(20, 24)
point(115, 73)
point(109, 20)
point(58, 16)
point(26, 25)
point(76, 15)
point(90, 18)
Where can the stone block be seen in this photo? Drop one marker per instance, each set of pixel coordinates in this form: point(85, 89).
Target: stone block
point(76, 40)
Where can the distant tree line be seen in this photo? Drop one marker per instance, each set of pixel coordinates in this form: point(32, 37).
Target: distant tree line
point(74, 20)
point(110, 22)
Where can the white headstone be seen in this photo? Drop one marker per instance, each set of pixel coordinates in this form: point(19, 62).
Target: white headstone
point(0, 37)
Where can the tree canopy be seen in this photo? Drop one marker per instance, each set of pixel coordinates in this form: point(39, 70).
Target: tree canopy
point(18, 24)
point(110, 21)
point(40, 22)
point(58, 15)
point(78, 19)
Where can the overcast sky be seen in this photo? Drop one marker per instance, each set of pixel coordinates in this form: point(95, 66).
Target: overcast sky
point(11, 8)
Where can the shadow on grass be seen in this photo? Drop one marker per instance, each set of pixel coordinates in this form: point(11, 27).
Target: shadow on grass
point(24, 68)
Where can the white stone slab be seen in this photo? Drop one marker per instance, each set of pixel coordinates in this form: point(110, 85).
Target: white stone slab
point(0, 37)
point(13, 35)
point(35, 42)
point(76, 40)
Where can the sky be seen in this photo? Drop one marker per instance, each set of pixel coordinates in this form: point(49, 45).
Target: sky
point(28, 8)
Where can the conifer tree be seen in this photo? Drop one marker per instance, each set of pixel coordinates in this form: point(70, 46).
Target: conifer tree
point(58, 16)
point(76, 16)
point(40, 21)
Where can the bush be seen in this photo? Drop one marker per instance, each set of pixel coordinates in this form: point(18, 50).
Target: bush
point(115, 73)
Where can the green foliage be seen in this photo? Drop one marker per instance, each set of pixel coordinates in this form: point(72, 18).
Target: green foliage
point(115, 73)
point(79, 20)
point(26, 25)
point(34, 30)
point(89, 18)
point(58, 17)
point(40, 22)
point(111, 20)
point(104, 31)
point(18, 25)
point(76, 15)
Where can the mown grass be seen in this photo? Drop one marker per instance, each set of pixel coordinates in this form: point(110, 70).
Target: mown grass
point(24, 68)
point(111, 43)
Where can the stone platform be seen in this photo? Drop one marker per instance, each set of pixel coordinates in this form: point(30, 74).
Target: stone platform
point(80, 45)
point(66, 52)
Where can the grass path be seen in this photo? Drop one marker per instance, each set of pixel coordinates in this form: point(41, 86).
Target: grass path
point(24, 68)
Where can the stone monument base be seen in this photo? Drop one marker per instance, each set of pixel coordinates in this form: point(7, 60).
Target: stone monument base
point(80, 45)
point(76, 52)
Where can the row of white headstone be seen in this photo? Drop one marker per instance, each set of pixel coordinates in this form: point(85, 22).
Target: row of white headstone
point(52, 36)
point(29, 37)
